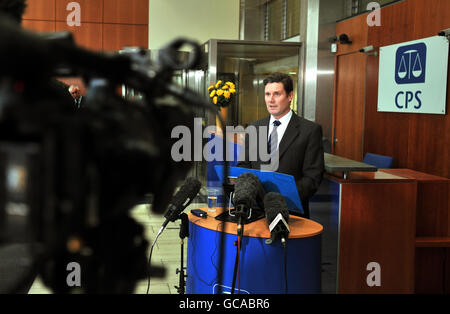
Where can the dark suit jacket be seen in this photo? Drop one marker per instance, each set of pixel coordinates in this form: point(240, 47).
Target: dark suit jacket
point(300, 155)
point(79, 103)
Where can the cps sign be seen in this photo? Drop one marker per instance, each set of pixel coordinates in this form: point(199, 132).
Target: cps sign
point(413, 76)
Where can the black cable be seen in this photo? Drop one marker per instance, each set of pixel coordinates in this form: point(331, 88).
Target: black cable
point(149, 261)
point(192, 252)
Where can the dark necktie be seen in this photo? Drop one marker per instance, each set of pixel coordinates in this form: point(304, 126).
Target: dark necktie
point(273, 138)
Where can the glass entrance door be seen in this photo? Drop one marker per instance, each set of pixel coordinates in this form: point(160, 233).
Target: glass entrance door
point(247, 63)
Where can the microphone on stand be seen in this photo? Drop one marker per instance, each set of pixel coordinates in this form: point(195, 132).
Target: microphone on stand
point(247, 192)
point(277, 215)
point(181, 200)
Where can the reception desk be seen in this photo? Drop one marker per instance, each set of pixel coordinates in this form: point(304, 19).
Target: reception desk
point(262, 267)
point(377, 225)
point(372, 221)
point(395, 219)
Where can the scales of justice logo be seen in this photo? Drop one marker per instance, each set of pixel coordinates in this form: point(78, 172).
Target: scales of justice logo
point(410, 64)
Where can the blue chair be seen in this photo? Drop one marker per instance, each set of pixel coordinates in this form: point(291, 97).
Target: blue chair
point(379, 161)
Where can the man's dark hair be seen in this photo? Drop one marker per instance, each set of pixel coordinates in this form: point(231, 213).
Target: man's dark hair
point(13, 8)
point(278, 77)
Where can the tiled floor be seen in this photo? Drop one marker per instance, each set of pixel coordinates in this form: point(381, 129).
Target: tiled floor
point(166, 252)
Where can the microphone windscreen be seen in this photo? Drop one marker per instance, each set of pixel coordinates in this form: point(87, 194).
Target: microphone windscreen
point(274, 204)
point(245, 191)
point(257, 188)
point(260, 192)
point(189, 189)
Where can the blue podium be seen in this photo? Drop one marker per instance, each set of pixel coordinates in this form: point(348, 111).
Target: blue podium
point(262, 266)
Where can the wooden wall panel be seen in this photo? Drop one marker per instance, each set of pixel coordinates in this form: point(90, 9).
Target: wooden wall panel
point(384, 133)
point(349, 90)
point(105, 24)
point(39, 26)
point(91, 10)
point(40, 10)
point(356, 29)
point(126, 11)
point(377, 229)
point(430, 17)
point(88, 35)
point(349, 105)
point(117, 36)
point(397, 24)
point(432, 156)
point(428, 146)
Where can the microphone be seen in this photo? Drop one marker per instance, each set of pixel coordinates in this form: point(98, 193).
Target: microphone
point(260, 192)
point(248, 192)
point(277, 215)
point(244, 192)
point(181, 200)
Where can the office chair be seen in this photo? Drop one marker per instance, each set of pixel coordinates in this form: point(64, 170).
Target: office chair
point(379, 161)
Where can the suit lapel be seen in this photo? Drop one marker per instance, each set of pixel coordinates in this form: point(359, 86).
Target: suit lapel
point(291, 133)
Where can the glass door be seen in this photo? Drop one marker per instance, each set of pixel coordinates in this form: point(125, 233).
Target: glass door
point(247, 63)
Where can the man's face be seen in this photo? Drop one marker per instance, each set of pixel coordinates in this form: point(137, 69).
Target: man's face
point(75, 92)
point(277, 101)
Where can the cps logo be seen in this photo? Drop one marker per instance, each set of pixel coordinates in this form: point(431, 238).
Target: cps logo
point(410, 68)
point(410, 64)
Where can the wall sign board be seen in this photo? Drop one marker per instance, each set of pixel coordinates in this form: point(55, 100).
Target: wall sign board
point(413, 76)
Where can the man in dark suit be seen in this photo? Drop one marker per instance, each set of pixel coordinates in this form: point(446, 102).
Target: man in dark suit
point(297, 141)
point(76, 94)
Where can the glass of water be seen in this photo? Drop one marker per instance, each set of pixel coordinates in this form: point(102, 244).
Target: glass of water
point(212, 203)
point(213, 194)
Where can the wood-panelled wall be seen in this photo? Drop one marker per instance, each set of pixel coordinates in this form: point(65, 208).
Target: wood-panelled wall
point(416, 141)
point(105, 24)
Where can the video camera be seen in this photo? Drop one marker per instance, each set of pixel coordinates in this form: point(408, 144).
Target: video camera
point(69, 177)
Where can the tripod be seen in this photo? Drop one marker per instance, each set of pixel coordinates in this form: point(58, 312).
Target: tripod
point(184, 232)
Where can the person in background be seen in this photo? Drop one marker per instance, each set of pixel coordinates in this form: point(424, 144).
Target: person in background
point(76, 94)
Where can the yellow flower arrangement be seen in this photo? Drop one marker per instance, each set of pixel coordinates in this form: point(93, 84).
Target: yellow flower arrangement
point(221, 93)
